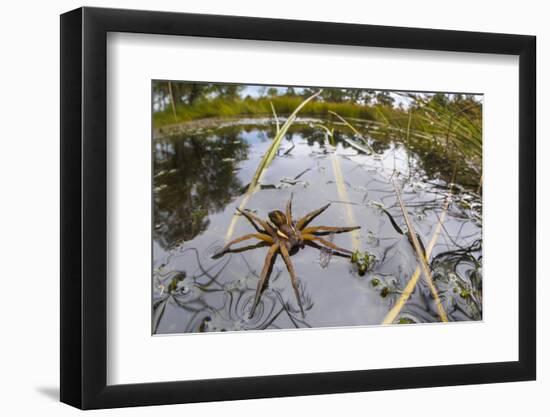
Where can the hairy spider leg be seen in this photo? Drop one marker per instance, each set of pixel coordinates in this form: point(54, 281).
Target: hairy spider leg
point(325, 242)
point(312, 244)
point(269, 259)
point(289, 211)
point(251, 217)
point(260, 236)
point(327, 230)
point(241, 249)
point(304, 221)
point(293, 279)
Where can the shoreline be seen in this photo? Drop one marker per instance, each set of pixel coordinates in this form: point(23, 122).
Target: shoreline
point(204, 123)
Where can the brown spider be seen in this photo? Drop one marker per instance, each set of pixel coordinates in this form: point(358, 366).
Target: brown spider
point(285, 236)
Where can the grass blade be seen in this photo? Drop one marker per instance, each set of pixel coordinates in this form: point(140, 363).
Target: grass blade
point(328, 132)
point(358, 146)
point(391, 316)
point(275, 116)
point(354, 130)
point(266, 160)
point(272, 151)
point(421, 257)
point(158, 312)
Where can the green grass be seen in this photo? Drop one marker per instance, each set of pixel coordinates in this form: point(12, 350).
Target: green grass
point(284, 105)
point(457, 126)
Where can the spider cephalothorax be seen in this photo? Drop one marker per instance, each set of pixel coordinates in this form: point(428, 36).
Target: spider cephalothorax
point(286, 231)
point(285, 236)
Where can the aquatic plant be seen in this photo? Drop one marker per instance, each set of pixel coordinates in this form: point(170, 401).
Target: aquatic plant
point(363, 261)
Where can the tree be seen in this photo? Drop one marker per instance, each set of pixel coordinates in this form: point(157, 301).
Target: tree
point(308, 92)
point(440, 99)
point(290, 91)
point(173, 104)
point(368, 96)
point(384, 98)
point(354, 94)
point(196, 91)
point(336, 95)
point(272, 92)
point(230, 91)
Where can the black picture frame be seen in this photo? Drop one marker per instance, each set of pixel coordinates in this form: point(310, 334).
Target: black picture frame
point(84, 207)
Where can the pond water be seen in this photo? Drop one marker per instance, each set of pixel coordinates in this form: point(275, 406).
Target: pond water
point(201, 176)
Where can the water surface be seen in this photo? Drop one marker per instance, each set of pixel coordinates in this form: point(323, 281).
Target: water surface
point(201, 175)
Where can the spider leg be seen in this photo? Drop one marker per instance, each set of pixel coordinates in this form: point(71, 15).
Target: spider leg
point(304, 221)
point(316, 246)
point(289, 211)
point(269, 259)
point(327, 230)
point(325, 242)
point(252, 218)
point(293, 279)
point(241, 249)
point(249, 247)
point(261, 236)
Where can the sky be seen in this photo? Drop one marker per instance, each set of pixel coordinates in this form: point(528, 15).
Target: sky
point(255, 90)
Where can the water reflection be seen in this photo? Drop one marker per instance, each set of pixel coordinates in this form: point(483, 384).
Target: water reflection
point(194, 178)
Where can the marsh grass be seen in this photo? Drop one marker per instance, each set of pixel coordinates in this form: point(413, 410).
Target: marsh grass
point(453, 123)
point(285, 105)
point(434, 130)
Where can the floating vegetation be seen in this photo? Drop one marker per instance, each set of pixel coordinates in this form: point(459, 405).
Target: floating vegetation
point(405, 320)
point(363, 262)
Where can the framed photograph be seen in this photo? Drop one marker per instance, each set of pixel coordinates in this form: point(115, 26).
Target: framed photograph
point(255, 208)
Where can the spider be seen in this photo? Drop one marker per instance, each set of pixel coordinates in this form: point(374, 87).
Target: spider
point(285, 236)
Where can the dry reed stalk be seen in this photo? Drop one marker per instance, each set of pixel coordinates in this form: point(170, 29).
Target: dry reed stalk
point(406, 294)
point(424, 267)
